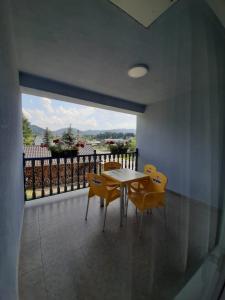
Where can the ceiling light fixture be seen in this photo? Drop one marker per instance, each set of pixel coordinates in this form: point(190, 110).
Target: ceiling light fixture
point(138, 71)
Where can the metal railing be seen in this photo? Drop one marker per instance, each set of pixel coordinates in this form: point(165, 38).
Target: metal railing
point(46, 176)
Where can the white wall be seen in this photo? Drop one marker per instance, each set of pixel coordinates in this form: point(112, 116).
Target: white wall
point(184, 136)
point(11, 172)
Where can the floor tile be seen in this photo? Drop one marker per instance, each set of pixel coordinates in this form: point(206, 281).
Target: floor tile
point(64, 257)
point(32, 285)
point(30, 257)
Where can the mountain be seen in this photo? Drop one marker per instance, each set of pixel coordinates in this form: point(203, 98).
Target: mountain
point(95, 132)
point(37, 130)
point(40, 131)
point(59, 132)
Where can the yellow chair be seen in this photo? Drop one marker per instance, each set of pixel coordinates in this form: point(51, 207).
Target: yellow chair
point(159, 182)
point(151, 196)
point(98, 187)
point(148, 170)
point(111, 165)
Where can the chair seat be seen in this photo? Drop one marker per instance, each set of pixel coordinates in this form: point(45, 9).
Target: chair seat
point(155, 201)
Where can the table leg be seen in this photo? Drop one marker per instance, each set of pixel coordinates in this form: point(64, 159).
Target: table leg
point(121, 204)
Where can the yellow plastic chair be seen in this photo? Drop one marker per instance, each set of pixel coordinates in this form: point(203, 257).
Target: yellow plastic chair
point(111, 165)
point(98, 187)
point(148, 170)
point(159, 182)
point(152, 196)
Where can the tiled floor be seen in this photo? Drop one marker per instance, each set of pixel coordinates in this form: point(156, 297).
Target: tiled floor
point(62, 257)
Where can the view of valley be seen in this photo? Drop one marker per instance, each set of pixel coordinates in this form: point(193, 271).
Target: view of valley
point(46, 121)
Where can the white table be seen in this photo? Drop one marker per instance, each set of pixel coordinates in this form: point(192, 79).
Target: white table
point(123, 177)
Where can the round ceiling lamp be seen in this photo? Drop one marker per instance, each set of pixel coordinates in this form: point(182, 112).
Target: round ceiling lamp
point(138, 71)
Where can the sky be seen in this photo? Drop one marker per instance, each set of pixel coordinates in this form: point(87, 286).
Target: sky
point(56, 114)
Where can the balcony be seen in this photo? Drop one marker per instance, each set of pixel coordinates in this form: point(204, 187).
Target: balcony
point(63, 257)
point(83, 52)
point(47, 176)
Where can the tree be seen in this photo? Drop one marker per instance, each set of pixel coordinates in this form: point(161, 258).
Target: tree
point(47, 137)
point(28, 136)
point(114, 135)
point(70, 130)
point(128, 135)
point(68, 137)
point(132, 144)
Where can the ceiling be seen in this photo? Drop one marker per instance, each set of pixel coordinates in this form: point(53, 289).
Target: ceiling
point(144, 11)
point(91, 44)
point(218, 7)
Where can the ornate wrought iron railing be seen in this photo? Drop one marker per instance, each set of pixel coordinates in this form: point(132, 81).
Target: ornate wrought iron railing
point(46, 176)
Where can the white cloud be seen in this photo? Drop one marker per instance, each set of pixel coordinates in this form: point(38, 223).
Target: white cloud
point(45, 112)
point(126, 125)
point(61, 117)
point(26, 114)
point(47, 104)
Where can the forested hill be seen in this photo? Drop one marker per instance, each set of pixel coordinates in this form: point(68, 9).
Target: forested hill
point(40, 131)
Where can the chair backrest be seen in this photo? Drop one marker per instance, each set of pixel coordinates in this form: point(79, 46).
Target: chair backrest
point(159, 181)
point(112, 165)
point(149, 169)
point(97, 184)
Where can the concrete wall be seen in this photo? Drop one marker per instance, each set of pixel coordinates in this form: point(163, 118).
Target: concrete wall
point(184, 136)
point(11, 176)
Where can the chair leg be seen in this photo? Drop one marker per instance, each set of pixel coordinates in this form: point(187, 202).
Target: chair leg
point(87, 209)
point(136, 213)
point(165, 217)
point(101, 202)
point(141, 222)
point(103, 229)
point(127, 206)
point(125, 201)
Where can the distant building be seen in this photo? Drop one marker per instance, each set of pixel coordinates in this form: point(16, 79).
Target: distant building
point(94, 143)
point(36, 151)
point(114, 140)
point(39, 151)
point(38, 140)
